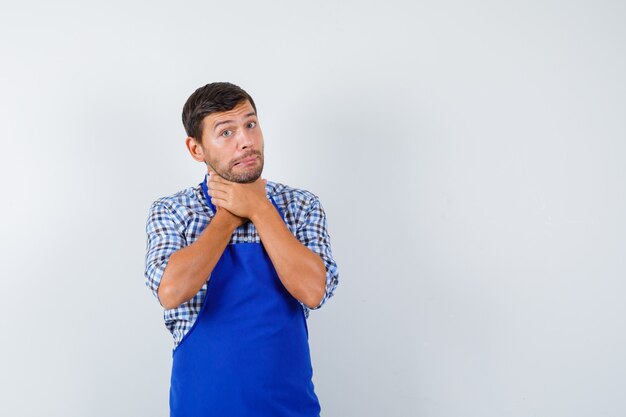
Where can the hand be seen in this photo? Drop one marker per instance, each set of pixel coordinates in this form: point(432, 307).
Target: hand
point(236, 221)
point(241, 200)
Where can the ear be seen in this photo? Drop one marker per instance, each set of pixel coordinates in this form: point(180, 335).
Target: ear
point(195, 149)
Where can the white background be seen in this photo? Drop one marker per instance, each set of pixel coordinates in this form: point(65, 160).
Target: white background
point(469, 155)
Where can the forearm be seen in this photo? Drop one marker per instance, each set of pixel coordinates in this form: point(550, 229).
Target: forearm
point(188, 268)
point(301, 270)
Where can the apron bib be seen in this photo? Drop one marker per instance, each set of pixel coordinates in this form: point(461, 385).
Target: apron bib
point(247, 353)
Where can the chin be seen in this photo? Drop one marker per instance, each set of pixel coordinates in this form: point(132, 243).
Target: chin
point(244, 178)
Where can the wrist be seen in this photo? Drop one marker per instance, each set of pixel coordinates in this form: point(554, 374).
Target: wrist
point(227, 219)
point(262, 210)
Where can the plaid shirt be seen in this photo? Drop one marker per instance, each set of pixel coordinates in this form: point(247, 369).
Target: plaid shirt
point(178, 220)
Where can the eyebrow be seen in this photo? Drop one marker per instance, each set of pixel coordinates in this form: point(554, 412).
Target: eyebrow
point(232, 121)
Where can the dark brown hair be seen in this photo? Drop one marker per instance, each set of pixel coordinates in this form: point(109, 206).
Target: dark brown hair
point(212, 98)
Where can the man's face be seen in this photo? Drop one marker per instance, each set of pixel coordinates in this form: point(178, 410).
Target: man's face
point(232, 142)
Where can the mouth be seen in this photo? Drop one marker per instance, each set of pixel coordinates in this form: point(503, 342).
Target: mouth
point(247, 161)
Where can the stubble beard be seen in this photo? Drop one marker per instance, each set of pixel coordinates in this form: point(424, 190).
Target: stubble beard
point(243, 177)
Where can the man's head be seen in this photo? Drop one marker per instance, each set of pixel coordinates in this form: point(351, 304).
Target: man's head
point(223, 131)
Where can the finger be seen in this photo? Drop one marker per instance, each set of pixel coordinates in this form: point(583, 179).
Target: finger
point(216, 185)
point(219, 202)
point(218, 193)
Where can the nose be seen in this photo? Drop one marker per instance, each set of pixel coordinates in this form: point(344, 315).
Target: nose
point(245, 139)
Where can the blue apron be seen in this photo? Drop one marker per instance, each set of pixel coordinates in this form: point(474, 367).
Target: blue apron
point(247, 353)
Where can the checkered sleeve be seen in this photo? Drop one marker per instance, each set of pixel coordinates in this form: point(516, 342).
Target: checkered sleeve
point(165, 236)
point(313, 233)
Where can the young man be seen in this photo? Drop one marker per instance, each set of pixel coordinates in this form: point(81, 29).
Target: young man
point(237, 262)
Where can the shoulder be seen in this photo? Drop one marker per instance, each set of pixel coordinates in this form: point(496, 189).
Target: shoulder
point(287, 195)
point(299, 206)
point(182, 204)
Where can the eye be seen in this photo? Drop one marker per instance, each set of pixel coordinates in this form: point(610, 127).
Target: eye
point(251, 125)
point(227, 133)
